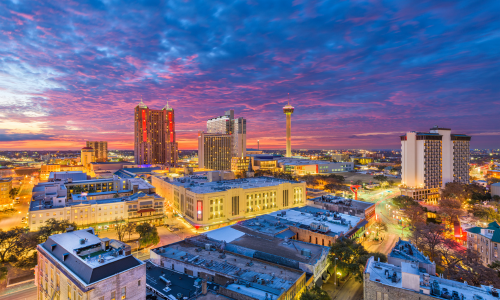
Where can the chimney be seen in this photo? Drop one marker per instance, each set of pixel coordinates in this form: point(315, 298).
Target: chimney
point(204, 286)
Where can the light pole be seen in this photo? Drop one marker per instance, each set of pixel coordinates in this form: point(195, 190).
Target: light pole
point(335, 271)
point(137, 255)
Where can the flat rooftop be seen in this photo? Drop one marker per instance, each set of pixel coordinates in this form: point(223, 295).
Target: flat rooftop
point(200, 185)
point(407, 251)
point(82, 253)
point(277, 280)
point(343, 201)
point(300, 161)
point(180, 283)
point(383, 273)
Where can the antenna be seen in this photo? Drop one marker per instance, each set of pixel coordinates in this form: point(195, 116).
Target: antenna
point(288, 98)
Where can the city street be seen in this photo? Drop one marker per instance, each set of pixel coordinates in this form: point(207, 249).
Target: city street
point(15, 219)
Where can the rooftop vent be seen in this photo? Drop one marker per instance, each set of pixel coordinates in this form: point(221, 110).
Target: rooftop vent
point(53, 246)
point(65, 255)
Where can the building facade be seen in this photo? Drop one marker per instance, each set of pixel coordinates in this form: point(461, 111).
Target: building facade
point(154, 136)
point(214, 151)
point(485, 241)
point(78, 265)
point(87, 157)
point(430, 160)
point(100, 150)
point(206, 204)
point(237, 128)
point(240, 164)
point(5, 187)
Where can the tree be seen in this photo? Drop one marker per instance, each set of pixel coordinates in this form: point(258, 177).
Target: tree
point(451, 209)
point(495, 265)
point(53, 226)
point(429, 238)
point(120, 226)
point(484, 213)
point(334, 187)
point(130, 229)
point(351, 257)
point(380, 178)
point(465, 193)
point(315, 294)
point(148, 235)
point(116, 195)
point(13, 192)
point(78, 189)
point(9, 241)
point(403, 202)
point(379, 226)
point(415, 215)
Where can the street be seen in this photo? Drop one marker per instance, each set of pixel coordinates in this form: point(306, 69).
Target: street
point(15, 219)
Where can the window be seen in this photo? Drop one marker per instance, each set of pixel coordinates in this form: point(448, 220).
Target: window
point(139, 283)
point(124, 292)
point(113, 295)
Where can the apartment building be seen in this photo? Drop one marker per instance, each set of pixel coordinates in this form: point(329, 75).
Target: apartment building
point(430, 160)
point(211, 204)
point(100, 150)
point(214, 151)
point(78, 265)
point(485, 240)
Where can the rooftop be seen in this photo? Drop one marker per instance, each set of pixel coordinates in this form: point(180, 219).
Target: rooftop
point(492, 231)
point(343, 201)
point(260, 275)
point(407, 251)
point(200, 184)
point(171, 283)
point(437, 287)
point(90, 258)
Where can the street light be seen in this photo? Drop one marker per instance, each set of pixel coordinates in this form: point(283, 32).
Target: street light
point(335, 271)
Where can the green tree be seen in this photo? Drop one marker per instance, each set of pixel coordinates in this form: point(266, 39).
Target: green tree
point(53, 226)
point(380, 178)
point(130, 229)
point(9, 242)
point(315, 293)
point(120, 226)
point(13, 192)
point(351, 257)
point(403, 202)
point(148, 234)
point(495, 265)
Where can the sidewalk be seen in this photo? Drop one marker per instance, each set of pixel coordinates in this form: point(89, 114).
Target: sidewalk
point(18, 288)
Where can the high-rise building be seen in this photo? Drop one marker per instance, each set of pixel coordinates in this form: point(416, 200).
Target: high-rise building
point(87, 157)
point(80, 265)
point(154, 136)
point(100, 150)
point(237, 128)
point(432, 159)
point(288, 111)
point(214, 151)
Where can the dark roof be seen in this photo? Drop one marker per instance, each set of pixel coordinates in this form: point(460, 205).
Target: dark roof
point(492, 226)
point(87, 148)
point(85, 272)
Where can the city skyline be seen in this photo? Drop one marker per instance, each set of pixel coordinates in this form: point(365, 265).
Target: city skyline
point(360, 75)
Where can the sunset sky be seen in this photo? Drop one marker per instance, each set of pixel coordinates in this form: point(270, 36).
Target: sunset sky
point(359, 73)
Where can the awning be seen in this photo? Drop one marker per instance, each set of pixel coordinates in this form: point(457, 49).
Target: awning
point(285, 234)
point(146, 210)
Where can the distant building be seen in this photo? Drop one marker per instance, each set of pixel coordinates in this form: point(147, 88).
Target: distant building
point(100, 150)
point(87, 157)
point(361, 160)
point(211, 204)
point(67, 176)
point(80, 265)
point(298, 166)
point(493, 173)
point(410, 279)
point(5, 187)
point(214, 151)
point(495, 189)
point(237, 128)
point(430, 160)
point(154, 136)
point(340, 156)
point(240, 164)
point(47, 169)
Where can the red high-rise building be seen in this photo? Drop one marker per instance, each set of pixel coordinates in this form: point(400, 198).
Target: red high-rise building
point(154, 136)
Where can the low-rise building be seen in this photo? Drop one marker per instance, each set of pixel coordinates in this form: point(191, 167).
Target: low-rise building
point(5, 187)
point(361, 160)
point(51, 203)
point(485, 240)
point(240, 164)
point(384, 281)
point(495, 189)
point(238, 276)
point(68, 176)
point(406, 252)
point(211, 204)
point(79, 265)
point(362, 209)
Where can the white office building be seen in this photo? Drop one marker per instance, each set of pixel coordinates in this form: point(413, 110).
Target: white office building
point(432, 159)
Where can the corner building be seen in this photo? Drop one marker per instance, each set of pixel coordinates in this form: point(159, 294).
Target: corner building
point(214, 204)
point(154, 136)
point(432, 159)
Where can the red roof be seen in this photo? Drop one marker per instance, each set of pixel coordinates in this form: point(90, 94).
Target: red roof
point(145, 210)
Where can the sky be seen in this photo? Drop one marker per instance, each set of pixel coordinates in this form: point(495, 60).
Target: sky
point(359, 73)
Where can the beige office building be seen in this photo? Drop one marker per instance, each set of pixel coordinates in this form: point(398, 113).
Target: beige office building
point(212, 204)
point(430, 160)
point(214, 151)
point(100, 150)
point(87, 157)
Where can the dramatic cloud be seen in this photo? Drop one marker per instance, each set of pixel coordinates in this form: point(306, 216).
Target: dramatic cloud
point(359, 73)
